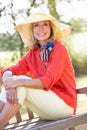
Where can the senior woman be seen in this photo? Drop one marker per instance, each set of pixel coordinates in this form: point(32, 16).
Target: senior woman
point(43, 78)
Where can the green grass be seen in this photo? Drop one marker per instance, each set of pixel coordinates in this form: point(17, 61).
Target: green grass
point(8, 58)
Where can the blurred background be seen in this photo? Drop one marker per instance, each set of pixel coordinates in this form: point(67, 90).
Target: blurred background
point(71, 12)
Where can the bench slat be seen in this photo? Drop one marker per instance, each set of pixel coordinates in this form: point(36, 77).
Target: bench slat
point(62, 124)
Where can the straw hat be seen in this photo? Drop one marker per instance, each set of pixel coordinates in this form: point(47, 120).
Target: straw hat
point(25, 29)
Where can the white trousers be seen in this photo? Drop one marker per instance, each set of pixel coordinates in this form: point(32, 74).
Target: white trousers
point(46, 104)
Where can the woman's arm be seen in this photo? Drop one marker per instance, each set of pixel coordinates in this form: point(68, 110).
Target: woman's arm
point(16, 81)
point(33, 83)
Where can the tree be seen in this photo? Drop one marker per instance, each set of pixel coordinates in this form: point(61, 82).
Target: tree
point(8, 12)
point(52, 8)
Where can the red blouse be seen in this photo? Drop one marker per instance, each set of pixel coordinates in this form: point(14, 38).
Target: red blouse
point(57, 76)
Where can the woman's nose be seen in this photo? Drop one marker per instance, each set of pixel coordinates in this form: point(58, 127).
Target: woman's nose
point(40, 27)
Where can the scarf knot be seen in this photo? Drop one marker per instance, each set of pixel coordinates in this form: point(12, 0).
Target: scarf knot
point(45, 51)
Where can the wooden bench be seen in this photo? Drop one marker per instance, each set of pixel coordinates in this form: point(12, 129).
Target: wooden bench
point(35, 123)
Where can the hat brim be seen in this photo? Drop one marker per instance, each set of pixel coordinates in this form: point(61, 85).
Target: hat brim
point(61, 31)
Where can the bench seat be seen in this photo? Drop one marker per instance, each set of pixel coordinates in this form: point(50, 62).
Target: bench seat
point(38, 124)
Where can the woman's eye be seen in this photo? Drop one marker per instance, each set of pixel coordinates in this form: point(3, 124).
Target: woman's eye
point(36, 25)
point(45, 24)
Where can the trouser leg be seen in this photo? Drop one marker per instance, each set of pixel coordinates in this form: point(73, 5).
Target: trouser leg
point(47, 104)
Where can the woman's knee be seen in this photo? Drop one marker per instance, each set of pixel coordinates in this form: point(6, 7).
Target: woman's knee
point(21, 94)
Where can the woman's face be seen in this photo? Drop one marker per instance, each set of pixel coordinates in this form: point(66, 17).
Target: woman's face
point(42, 31)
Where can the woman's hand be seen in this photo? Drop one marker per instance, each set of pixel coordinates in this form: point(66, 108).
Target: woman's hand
point(11, 95)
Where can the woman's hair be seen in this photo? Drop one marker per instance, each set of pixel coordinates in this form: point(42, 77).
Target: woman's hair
point(36, 42)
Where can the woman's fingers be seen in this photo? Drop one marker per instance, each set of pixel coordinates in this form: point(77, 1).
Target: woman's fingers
point(11, 96)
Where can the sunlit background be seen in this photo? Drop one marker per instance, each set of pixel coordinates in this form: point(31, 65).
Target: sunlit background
point(72, 12)
point(75, 9)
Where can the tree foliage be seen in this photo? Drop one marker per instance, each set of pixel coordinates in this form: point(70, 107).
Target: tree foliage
point(78, 25)
point(52, 8)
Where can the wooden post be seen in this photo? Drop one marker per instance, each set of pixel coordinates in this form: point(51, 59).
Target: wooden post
point(30, 113)
point(73, 128)
point(18, 117)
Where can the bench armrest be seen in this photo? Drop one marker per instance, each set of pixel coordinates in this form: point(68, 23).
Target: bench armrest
point(82, 90)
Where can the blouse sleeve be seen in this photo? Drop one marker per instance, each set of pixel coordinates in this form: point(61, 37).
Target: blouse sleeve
point(57, 63)
point(20, 68)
